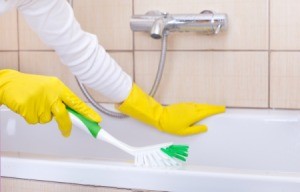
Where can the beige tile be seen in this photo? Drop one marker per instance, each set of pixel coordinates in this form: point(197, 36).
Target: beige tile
point(9, 60)
point(108, 19)
point(285, 78)
point(47, 63)
point(237, 79)
point(29, 40)
point(285, 24)
point(21, 185)
point(9, 31)
point(247, 30)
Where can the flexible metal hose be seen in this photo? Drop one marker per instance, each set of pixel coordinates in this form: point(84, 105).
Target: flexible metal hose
point(161, 65)
point(153, 89)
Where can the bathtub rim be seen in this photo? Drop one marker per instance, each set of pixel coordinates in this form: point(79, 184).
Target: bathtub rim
point(125, 175)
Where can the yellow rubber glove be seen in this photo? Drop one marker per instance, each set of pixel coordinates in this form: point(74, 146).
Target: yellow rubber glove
point(38, 98)
point(177, 119)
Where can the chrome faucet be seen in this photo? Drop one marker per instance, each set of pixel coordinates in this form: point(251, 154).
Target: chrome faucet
point(157, 23)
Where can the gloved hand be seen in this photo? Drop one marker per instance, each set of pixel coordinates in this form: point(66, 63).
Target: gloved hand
point(177, 119)
point(38, 98)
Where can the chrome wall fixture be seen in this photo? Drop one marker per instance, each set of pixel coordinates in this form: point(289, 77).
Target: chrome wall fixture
point(156, 23)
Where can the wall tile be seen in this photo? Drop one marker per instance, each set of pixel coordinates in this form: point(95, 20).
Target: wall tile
point(285, 78)
point(21, 185)
point(9, 31)
point(247, 30)
point(47, 63)
point(236, 79)
point(285, 24)
point(108, 19)
point(28, 39)
point(9, 60)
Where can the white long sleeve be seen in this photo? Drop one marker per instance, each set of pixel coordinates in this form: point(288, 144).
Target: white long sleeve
point(54, 22)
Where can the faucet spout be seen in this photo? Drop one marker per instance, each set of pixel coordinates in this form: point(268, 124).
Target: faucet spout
point(157, 28)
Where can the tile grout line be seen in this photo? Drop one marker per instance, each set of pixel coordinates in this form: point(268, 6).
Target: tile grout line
point(157, 50)
point(269, 53)
point(133, 46)
point(18, 40)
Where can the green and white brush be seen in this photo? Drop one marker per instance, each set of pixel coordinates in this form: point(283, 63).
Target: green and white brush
point(162, 155)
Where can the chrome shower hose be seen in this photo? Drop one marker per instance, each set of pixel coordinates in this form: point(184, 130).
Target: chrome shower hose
point(153, 89)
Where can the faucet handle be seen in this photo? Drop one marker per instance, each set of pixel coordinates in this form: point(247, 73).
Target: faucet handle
point(155, 13)
point(207, 12)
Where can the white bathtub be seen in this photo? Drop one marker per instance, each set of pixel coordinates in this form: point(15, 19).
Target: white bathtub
point(244, 150)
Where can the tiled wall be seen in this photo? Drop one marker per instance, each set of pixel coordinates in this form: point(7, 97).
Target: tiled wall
point(20, 185)
point(256, 63)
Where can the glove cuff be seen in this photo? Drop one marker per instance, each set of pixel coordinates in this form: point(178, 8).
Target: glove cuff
point(141, 106)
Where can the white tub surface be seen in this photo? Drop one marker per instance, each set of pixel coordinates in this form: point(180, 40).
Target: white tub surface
point(244, 150)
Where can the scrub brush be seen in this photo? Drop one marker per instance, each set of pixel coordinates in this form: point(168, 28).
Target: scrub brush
point(161, 155)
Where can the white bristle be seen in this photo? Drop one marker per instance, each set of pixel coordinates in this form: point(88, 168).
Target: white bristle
point(146, 160)
point(155, 158)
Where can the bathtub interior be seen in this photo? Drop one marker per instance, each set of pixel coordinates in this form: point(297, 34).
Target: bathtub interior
point(264, 140)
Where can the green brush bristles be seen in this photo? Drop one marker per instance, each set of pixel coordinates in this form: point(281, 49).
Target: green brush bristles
point(177, 151)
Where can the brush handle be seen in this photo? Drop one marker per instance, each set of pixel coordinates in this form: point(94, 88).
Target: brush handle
point(93, 129)
point(83, 123)
point(105, 136)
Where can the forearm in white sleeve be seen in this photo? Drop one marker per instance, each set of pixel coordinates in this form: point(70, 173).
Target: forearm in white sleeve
point(54, 22)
